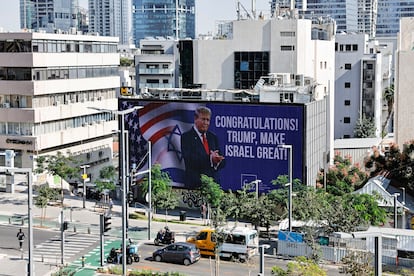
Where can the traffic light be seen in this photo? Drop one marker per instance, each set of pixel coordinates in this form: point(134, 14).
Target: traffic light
point(106, 224)
point(65, 225)
point(130, 197)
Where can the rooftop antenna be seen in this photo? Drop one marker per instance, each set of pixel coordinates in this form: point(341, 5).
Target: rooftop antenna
point(254, 9)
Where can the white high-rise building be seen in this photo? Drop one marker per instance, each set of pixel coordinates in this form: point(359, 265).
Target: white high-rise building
point(49, 15)
point(51, 86)
point(404, 96)
point(111, 18)
point(362, 72)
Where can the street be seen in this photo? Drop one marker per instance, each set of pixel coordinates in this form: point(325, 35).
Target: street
point(207, 266)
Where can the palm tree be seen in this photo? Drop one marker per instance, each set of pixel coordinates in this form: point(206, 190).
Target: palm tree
point(389, 98)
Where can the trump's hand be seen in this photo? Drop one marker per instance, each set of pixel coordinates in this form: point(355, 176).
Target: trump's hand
point(216, 157)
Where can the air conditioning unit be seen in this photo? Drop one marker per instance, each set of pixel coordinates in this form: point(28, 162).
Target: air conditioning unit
point(56, 103)
point(6, 105)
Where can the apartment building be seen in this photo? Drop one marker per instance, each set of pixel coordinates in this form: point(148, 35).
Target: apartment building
point(53, 88)
point(362, 72)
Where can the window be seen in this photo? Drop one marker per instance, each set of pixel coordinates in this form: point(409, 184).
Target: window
point(347, 85)
point(347, 120)
point(347, 102)
point(355, 47)
point(289, 34)
point(287, 48)
point(348, 66)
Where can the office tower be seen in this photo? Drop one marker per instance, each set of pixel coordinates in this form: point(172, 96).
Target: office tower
point(163, 18)
point(49, 15)
point(389, 14)
point(377, 18)
point(111, 18)
point(49, 84)
point(344, 12)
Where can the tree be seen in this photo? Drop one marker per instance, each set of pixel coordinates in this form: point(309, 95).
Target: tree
point(168, 200)
point(212, 194)
point(343, 177)
point(300, 266)
point(44, 196)
point(107, 177)
point(394, 164)
point(60, 165)
point(358, 263)
point(280, 195)
point(125, 62)
point(365, 128)
point(160, 184)
point(389, 98)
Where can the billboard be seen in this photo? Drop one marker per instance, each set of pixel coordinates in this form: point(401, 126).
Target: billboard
point(249, 136)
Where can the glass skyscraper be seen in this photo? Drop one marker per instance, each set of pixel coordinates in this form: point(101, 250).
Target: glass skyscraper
point(344, 12)
point(389, 14)
point(374, 17)
point(163, 18)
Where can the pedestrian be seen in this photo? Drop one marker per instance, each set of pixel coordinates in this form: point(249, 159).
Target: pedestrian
point(20, 236)
point(204, 213)
point(110, 205)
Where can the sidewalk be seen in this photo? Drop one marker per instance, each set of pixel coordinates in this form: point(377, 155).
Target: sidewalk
point(14, 210)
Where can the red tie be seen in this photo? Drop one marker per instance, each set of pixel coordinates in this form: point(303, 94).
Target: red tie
point(205, 143)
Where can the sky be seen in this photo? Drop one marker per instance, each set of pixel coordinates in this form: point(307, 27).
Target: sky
point(207, 12)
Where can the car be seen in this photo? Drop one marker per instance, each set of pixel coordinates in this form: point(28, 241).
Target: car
point(178, 252)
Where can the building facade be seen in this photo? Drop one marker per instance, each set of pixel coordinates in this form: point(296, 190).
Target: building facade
point(163, 18)
point(51, 86)
point(404, 128)
point(111, 18)
point(156, 65)
point(49, 15)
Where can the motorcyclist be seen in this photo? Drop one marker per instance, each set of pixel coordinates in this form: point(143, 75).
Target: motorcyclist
point(167, 233)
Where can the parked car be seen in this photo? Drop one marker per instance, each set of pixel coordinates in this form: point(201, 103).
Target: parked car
point(179, 252)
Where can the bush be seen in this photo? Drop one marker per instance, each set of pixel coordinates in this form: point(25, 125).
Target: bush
point(301, 266)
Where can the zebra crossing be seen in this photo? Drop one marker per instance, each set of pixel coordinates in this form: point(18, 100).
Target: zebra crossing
point(50, 250)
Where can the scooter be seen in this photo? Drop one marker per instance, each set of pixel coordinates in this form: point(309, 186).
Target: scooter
point(164, 236)
point(132, 250)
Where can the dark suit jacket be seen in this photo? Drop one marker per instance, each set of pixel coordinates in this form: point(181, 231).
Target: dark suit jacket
point(196, 160)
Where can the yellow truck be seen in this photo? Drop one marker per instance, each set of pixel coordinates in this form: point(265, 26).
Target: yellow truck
point(239, 243)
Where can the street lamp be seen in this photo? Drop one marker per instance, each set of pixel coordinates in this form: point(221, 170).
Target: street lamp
point(395, 210)
point(149, 187)
point(121, 120)
point(290, 148)
point(28, 172)
point(121, 117)
point(84, 177)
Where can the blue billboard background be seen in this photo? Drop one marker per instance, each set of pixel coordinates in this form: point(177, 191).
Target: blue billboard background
point(250, 136)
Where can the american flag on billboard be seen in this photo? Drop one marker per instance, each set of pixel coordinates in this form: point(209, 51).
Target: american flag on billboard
point(162, 123)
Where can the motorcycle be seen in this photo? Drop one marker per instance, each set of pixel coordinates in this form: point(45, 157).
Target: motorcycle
point(132, 250)
point(164, 236)
point(115, 256)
